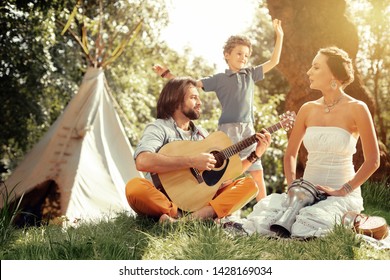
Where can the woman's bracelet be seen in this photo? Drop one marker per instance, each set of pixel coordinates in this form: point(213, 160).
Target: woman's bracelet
point(252, 157)
point(348, 188)
point(166, 72)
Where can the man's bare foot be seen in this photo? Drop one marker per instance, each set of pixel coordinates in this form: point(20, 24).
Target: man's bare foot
point(166, 219)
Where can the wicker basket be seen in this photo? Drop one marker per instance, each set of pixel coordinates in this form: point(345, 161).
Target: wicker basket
point(373, 226)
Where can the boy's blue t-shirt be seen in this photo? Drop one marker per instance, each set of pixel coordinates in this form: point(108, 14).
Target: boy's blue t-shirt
point(235, 93)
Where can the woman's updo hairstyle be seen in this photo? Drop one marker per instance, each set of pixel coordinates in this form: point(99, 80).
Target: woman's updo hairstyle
point(339, 64)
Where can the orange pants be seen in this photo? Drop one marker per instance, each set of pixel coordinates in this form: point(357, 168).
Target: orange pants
point(145, 199)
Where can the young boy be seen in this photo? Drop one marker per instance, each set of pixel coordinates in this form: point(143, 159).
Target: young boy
point(235, 89)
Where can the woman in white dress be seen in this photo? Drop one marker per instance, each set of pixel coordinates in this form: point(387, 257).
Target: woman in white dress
point(329, 128)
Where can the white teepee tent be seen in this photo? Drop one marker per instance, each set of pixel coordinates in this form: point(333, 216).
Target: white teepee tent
point(79, 169)
point(85, 153)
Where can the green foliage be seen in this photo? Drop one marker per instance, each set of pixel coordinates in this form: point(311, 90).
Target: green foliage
point(266, 115)
point(372, 19)
point(134, 238)
point(33, 86)
point(8, 214)
point(269, 99)
point(125, 237)
point(376, 198)
point(263, 40)
point(41, 70)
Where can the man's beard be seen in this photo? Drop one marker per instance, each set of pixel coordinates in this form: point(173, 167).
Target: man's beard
point(191, 114)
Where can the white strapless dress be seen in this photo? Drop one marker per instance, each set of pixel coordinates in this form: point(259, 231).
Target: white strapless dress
point(330, 151)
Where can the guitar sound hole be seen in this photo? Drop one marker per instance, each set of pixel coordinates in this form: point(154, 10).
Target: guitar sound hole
point(218, 158)
point(212, 177)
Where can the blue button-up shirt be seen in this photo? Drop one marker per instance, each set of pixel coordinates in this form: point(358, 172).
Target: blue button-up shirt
point(161, 132)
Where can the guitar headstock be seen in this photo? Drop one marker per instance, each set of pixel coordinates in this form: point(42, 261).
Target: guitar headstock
point(287, 120)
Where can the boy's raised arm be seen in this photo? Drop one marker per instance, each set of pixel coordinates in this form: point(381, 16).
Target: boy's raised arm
point(275, 57)
point(165, 73)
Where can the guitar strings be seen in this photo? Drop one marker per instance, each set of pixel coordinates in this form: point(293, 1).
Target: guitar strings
point(229, 151)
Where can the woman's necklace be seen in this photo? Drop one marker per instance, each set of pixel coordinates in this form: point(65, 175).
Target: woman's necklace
point(329, 107)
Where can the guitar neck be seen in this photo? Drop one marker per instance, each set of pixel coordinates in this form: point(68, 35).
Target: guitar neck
point(243, 144)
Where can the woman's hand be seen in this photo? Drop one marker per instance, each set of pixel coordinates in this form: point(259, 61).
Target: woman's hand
point(331, 191)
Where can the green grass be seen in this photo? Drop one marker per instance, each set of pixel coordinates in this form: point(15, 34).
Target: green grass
point(8, 214)
point(136, 238)
point(377, 199)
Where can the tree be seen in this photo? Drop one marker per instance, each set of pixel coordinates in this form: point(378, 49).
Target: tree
point(309, 25)
point(373, 59)
point(41, 69)
point(27, 76)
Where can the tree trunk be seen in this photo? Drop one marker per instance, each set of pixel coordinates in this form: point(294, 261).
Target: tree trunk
point(308, 26)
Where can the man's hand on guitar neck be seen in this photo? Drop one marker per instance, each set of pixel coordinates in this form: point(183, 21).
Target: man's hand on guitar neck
point(263, 142)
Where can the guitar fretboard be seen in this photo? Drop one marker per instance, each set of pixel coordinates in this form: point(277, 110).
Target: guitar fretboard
point(239, 146)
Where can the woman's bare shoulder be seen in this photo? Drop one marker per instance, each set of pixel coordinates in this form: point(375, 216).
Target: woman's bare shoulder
point(310, 104)
point(356, 105)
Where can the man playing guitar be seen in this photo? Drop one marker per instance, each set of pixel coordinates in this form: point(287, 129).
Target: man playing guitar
point(178, 105)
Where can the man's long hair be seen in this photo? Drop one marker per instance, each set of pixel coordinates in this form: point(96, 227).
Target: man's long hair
point(172, 96)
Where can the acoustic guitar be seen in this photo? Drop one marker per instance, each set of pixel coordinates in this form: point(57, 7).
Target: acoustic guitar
point(191, 189)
